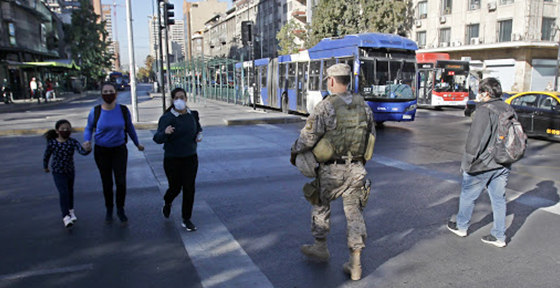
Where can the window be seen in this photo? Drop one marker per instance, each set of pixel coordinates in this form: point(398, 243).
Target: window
point(314, 75)
point(505, 2)
point(326, 64)
point(421, 38)
point(548, 28)
point(526, 101)
point(472, 32)
point(12, 33)
point(504, 34)
point(350, 62)
point(282, 75)
point(446, 7)
point(263, 75)
point(444, 36)
point(474, 4)
point(422, 10)
point(291, 75)
point(548, 103)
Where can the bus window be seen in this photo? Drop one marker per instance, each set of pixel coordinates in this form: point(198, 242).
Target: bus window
point(382, 73)
point(350, 62)
point(292, 75)
point(263, 75)
point(314, 75)
point(326, 64)
point(282, 76)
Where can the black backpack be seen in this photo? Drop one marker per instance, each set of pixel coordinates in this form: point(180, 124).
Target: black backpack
point(124, 110)
point(511, 141)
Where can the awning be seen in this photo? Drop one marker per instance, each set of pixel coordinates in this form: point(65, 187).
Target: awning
point(61, 63)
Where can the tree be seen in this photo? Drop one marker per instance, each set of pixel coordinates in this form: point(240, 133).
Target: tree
point(288, 35)
point(334, 18)
point(88, 41)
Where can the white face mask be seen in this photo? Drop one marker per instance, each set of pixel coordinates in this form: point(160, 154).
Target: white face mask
point(179, 104)
point(480, 96)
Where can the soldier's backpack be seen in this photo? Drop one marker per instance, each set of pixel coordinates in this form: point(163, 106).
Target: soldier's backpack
point(124, 110)
point(511, 141)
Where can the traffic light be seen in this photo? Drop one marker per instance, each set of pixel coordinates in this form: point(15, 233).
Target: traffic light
point(168, 14)
point(246, 33)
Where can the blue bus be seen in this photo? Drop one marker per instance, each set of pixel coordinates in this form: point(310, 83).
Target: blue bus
point(384, 72)
point(117, 79)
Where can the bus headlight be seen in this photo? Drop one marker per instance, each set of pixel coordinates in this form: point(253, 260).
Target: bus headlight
point(410, 108)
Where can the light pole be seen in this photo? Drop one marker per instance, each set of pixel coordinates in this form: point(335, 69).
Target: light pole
point(132, 62)
point(557, 61)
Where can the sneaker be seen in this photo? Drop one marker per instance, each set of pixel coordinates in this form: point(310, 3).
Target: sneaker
point(489, 239)
point(452, 226)
point(122, 216)
point(166, 210)
point(67, 221)
point(188, 225)
point(73, 216)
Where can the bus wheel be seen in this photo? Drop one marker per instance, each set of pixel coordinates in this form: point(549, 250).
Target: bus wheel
point(285, 103)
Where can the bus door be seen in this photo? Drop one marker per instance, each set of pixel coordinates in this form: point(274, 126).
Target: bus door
point(272, 83)
point(263, 72)
point(425, 86)
point(301, 88)
point(257, 85)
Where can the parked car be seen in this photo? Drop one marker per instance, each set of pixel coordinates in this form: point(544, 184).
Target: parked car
point(538, 113)
point(471, 104)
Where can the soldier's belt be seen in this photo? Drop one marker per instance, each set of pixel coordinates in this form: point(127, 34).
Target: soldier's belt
point(343, 161)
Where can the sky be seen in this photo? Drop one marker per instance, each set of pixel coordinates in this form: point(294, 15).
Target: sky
point(141, 10)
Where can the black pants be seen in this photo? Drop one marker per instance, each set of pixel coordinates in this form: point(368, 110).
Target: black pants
point(112, 161)
point(181, 173)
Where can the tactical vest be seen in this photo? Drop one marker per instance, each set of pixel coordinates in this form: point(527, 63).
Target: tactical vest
point(350, 135)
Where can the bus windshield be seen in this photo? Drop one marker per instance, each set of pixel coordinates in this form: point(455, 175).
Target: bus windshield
point(451, 77)
point(387, 79)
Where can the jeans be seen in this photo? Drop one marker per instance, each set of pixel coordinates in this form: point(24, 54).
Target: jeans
point(112, 161)
point(65, 184)
point(181, 174)
point(495, 181)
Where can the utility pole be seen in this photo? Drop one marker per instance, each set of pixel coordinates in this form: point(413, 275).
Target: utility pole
point(168, 21)
point(557, 62)
point(132, 63)
point(161, 82)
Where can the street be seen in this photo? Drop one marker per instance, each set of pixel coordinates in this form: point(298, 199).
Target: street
point(252, 217)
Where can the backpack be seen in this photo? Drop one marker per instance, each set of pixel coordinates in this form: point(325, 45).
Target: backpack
point(511, 141)
point(124, 110)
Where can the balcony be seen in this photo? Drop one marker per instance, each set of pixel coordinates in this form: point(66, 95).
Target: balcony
point(301, 15)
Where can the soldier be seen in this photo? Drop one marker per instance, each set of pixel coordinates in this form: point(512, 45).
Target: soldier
point(345, 122)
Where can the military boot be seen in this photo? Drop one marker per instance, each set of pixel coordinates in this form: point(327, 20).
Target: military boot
point(318, 250)
point(353, 267)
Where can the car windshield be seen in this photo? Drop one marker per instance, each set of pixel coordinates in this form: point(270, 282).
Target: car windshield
point(387, 79)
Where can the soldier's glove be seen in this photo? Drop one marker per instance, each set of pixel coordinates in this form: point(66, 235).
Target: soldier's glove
point(365, 194)
point(293, 158)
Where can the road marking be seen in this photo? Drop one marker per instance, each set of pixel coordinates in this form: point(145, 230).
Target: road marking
point(528, 200)
point(31, 273)
point(217, 257)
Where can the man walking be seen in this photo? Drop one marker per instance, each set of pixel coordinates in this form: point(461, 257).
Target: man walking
point(345, 121)
point(479, 167)
point(34, 89)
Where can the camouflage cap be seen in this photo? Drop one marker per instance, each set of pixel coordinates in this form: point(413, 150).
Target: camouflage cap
point(339, 69)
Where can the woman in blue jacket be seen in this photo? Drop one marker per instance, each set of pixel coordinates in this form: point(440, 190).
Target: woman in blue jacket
point(111, 123)
point(179, 131)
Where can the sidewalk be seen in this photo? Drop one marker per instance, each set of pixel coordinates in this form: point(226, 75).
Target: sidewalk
point(27, 104)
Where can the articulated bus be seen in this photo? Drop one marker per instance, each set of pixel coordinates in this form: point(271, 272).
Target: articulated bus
point(384, 72)
point(442, 82)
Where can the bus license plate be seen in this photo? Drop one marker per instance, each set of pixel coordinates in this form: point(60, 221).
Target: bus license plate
point(406, 116)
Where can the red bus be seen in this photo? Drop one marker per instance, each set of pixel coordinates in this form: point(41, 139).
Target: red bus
point(442, 82)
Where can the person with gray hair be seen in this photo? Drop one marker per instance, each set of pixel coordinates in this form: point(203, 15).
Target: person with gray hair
point(480, 170)
point(344, 121)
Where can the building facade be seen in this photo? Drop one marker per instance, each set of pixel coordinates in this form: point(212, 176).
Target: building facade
point(195, 14)
point(106, 15)
point(512, 40)
point(177, 41)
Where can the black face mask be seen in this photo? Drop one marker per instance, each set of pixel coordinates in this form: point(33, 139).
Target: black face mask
point(109, 98)
point(64, 134)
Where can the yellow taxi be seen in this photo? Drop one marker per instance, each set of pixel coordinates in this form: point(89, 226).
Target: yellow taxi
point(538, 112)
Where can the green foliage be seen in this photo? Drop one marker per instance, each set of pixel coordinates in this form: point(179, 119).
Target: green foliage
point(333, 18)
point(88, 41)
point(146, 73)
point(288, 34)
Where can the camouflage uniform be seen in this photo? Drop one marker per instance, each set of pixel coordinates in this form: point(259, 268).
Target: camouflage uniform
point(335, 180)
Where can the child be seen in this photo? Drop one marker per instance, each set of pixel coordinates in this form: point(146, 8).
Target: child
point(62, 147)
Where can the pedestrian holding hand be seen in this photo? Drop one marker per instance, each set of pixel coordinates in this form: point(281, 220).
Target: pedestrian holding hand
point(109, 124)
point(61, 146)
point(179, 131)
